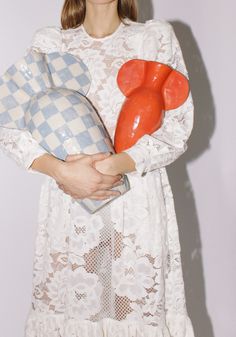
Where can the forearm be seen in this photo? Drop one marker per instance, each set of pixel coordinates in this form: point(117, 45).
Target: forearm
point(119, 163)
point(49, 165)
point(123, 163)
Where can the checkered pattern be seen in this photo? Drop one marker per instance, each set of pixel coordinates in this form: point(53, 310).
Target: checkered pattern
point(64, 122)
point(33, 75)
point(45, 93)
point(68, 72)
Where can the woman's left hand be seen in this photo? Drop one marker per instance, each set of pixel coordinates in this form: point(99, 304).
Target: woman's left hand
point(107, 165)
point(117, 163)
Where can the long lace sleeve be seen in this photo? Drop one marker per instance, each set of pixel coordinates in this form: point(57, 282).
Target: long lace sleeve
point(19, 144)
point(165, 145)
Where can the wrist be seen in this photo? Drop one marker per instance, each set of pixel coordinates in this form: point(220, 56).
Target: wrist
point(49, 165)
point(105, 166)
point(58, 170)
point(122, 163)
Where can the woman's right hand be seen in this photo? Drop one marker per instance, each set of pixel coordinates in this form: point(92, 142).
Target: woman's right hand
point(78, 178)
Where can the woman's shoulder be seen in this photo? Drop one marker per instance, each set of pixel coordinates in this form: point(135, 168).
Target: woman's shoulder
point(154, 37)
point(47, 39)
point(153, 25)
point(152, 32)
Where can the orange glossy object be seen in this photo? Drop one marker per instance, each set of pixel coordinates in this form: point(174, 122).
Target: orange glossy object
point(150, 88)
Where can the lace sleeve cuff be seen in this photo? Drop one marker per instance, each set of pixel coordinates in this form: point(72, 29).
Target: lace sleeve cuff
point(20, 146)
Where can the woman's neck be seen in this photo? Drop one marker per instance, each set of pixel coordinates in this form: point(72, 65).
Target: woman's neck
point(101, 19)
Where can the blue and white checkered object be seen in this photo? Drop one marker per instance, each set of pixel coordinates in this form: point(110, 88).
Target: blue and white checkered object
point(46, 94)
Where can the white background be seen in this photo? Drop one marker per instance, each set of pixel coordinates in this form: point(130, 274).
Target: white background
point(203, 179)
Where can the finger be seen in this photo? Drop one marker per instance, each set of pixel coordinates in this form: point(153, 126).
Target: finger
point(109, 179)
point(59, 184)
point(64, 189)
point(104, 186)
point(75, 196)
point(105, 193)
point(67, 192)
point(73, 157)
point(99, 198)
point(103, 197)
point(118, 183)
point(100, 156)
point(110, 186)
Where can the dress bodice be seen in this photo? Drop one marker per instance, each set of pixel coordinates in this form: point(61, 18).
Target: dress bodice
point(104, 57)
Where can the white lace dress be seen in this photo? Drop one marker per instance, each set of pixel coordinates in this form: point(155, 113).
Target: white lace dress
point(118, 272)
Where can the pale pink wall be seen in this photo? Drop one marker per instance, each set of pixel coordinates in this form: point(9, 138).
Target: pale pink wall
point(19, 191)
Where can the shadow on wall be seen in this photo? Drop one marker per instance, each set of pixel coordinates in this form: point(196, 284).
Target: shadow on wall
point(145, 10)
point(204, 124)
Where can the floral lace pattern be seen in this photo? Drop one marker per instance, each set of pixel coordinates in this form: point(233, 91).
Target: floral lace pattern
point(118, 272)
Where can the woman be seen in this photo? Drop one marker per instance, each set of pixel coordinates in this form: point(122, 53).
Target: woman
point(115, 273)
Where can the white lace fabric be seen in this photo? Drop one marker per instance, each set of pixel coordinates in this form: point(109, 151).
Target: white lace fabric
point(118, 272)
